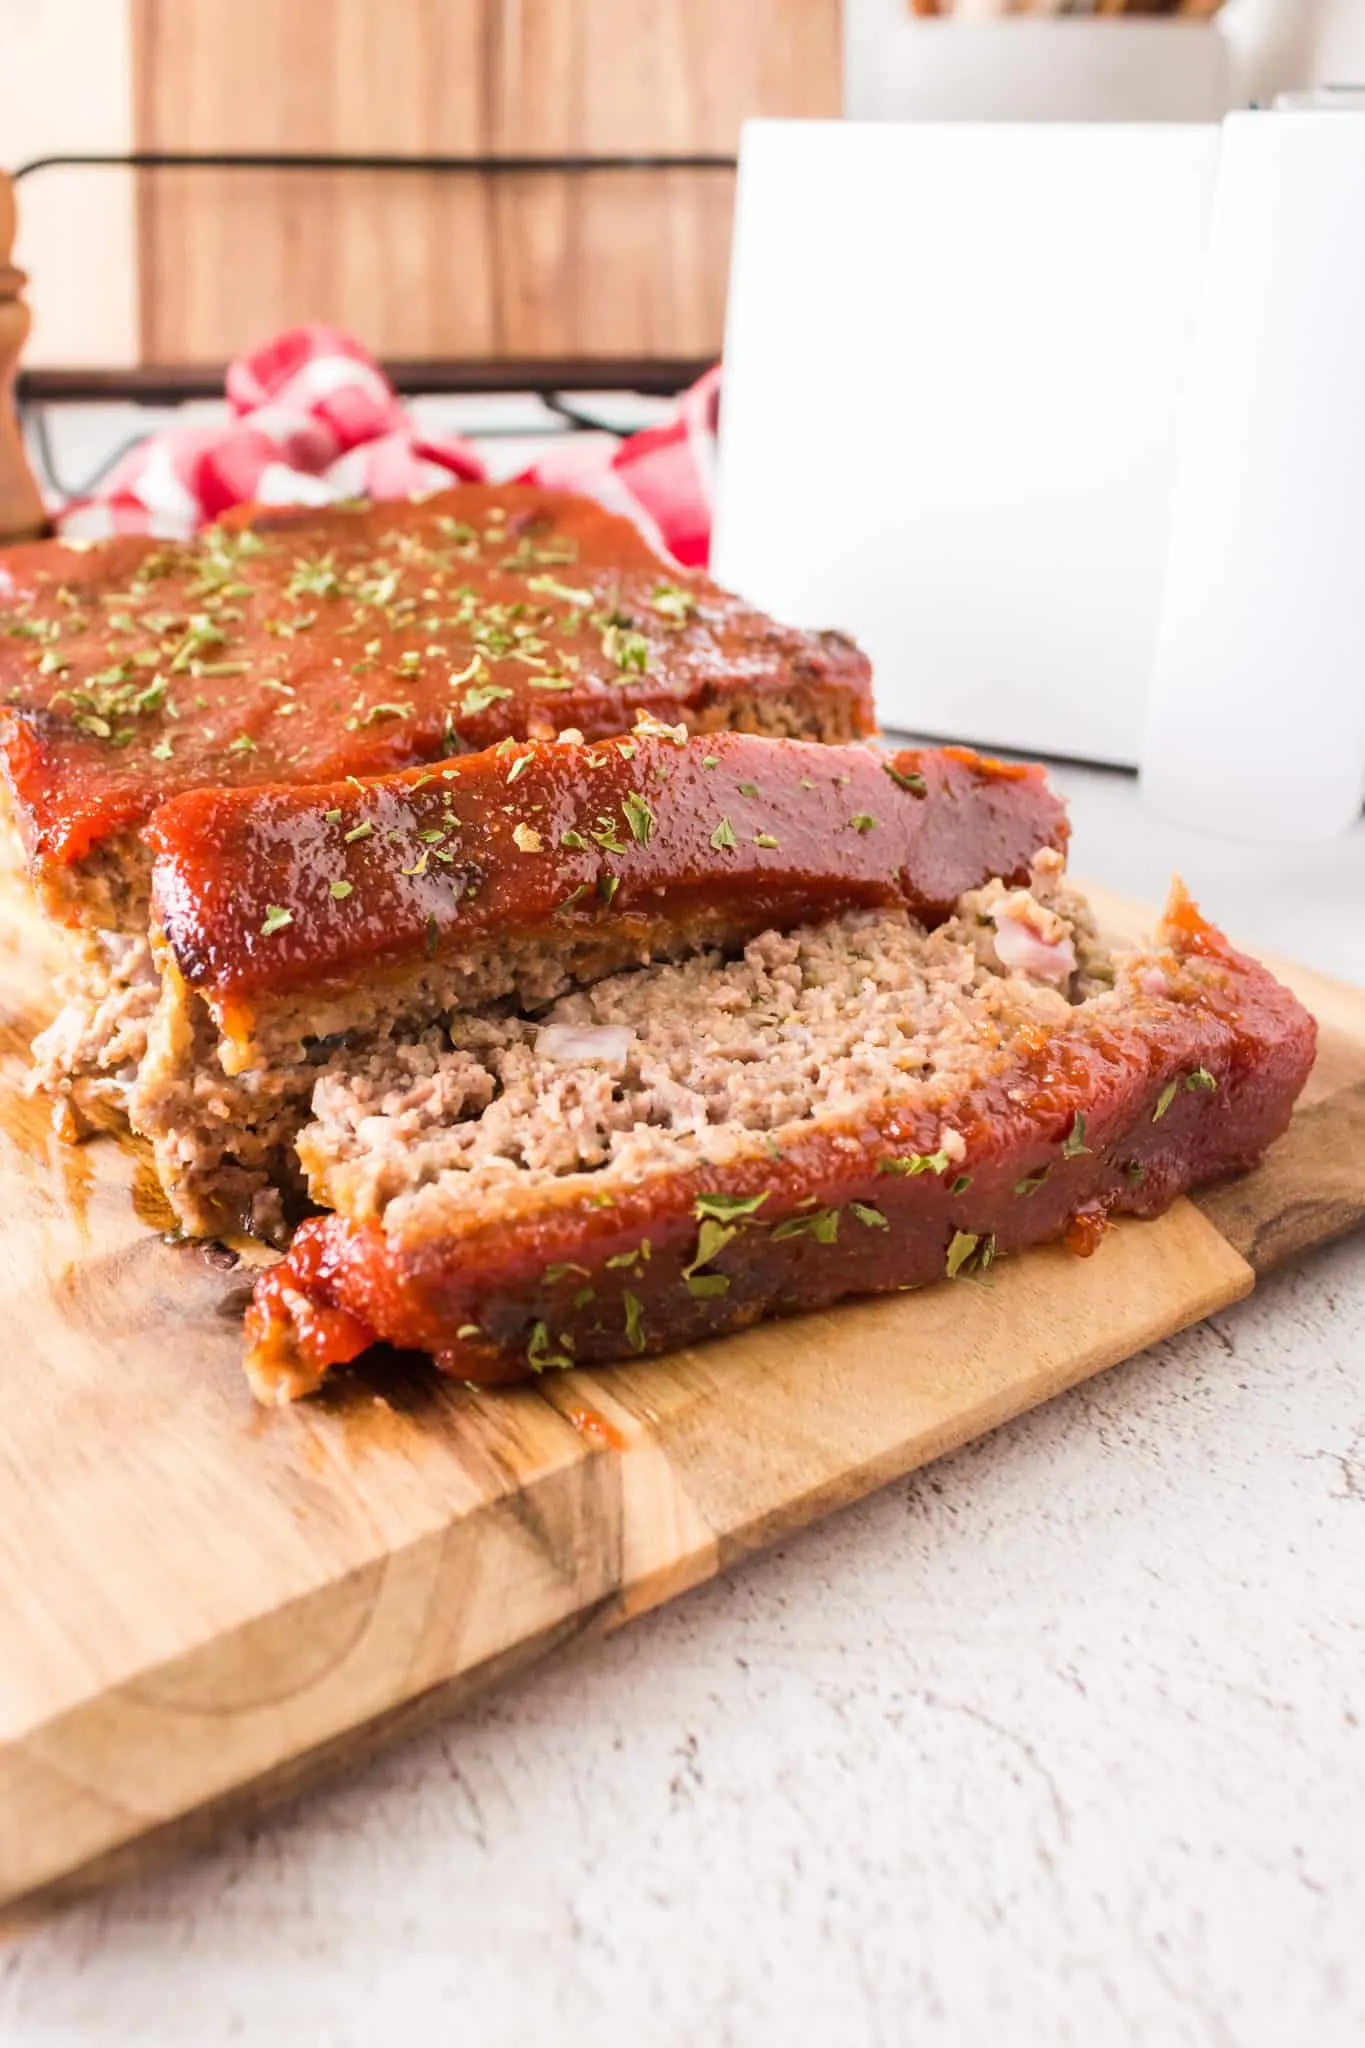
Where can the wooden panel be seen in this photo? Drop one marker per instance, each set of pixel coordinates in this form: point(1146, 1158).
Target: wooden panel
point(21, 507)
point(65, 86)
point(611, 265)
point(201, 1601)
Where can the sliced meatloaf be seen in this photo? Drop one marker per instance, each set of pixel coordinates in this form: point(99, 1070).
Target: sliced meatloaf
point(294, 927)
point(859, 1105)
point(303, 646)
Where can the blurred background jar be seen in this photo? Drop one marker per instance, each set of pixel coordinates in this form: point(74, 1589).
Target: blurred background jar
point(1089, 60)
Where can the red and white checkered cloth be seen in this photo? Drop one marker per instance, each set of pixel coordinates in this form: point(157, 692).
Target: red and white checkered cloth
point(314, 418)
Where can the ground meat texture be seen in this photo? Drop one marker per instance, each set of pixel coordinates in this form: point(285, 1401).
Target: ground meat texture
point(509, 878)
point(87, 1060)
point(692, 1058)
point(859, 1107)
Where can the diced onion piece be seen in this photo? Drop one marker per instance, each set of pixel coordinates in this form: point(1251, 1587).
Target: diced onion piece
point(1023, 950)
point(585, 1044)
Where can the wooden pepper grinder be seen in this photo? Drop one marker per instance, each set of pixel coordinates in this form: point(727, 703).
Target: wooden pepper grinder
point(22, 515)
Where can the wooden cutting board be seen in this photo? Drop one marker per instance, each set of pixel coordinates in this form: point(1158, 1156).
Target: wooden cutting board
point(203, 1604)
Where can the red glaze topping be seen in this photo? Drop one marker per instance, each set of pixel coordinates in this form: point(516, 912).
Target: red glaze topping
point(305, 646)
point(273, 889)
point(1108, 1115)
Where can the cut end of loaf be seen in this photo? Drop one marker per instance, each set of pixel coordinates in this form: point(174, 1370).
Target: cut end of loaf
point(856, 1107)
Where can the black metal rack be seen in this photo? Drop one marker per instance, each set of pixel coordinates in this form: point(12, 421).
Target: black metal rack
point(548, 379)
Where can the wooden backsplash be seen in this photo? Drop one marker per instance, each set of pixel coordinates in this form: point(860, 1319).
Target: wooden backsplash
point(614, 264)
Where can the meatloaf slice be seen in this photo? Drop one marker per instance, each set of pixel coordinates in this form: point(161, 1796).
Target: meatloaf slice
point(858, 1106)
point(303, 646)
point(293, 923)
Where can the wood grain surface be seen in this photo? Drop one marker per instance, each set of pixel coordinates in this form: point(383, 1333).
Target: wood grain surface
point(204, 1604)
point(612, 264)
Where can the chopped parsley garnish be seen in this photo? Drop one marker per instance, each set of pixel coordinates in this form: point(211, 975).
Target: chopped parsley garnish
point(1164, 1101)
point(961, 1184)
point(539, 1352)
point(635, 1321)
point(200, 635)
point(710, 760)
point(765, 839)
point(712, 1239)
point(873, 1218)
point(748, 789)
point(724, 835)
point(607, 886)
point(961, 1252)
point(519, 766)
point(823, 1226)
point(1031, 1182)
point(673, 603)
point(1073, 1145)
point(606, 836)
point(863, 821)
point(459, 533)
point(561, 1272)
point(705, 1286)
point(1201, 1078)
point(340, 890)
point(728, 1205)
point(916, 1162)
point(1133, 1172)
point(639, 817)
point(314, 579)
point(480, 696)
point(332, 817)
point(433, 935)
point(361, 831)
point(575, 840)
point(276, 918)
point(574, 896)
point(911, 779)
point(546, 586)
point(627, 649)
point(243, 744)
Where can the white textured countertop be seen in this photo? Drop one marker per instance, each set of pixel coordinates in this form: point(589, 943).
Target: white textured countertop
point(1058, 1741)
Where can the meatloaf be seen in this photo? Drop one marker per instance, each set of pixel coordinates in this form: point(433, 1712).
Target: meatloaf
point(858, 1105)
point(297, 928)
point(303, 646)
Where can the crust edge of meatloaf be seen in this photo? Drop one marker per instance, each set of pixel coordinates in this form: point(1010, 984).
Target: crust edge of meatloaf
point(109, 885)
point(503, 1304)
